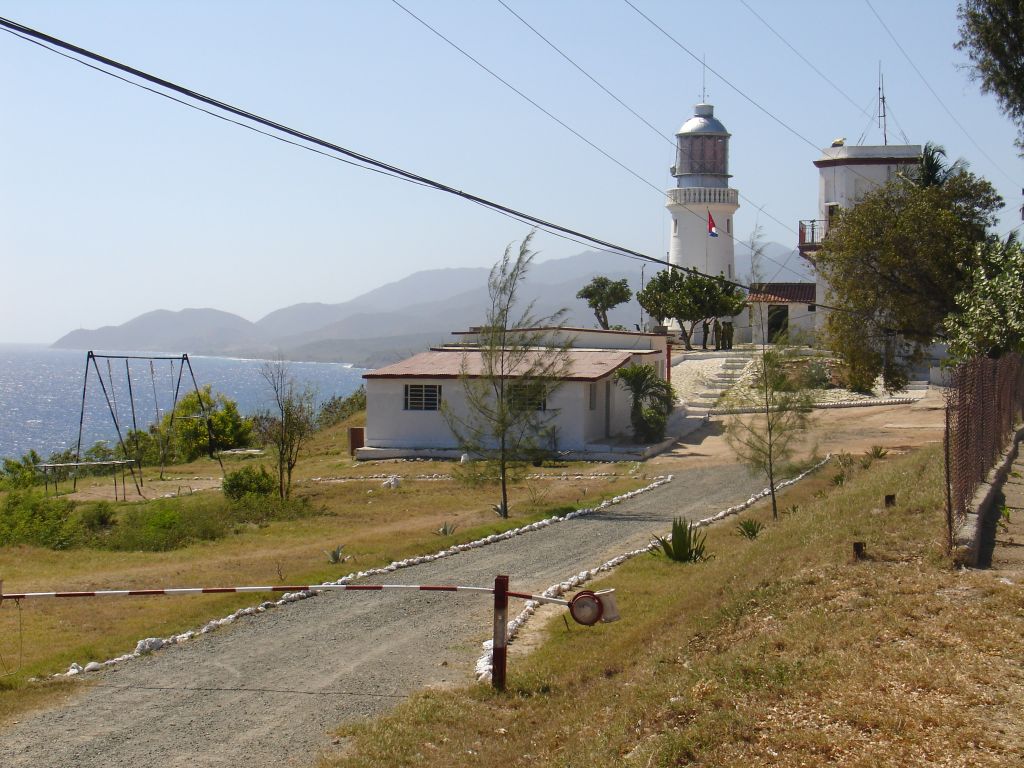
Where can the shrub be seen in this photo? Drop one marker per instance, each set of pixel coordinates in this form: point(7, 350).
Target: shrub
point(446, 529)
point(21, 474)
point(168, 524)
point(749, 529)
point(814, 374)
point(97, 517)
point(686, 544)
point(249, 480)
point(262, 508)
point(337, 409)
point(334, 556)
point(651, 428)
point(28, 517)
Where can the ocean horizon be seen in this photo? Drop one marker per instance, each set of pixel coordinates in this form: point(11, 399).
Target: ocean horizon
point(41, 392)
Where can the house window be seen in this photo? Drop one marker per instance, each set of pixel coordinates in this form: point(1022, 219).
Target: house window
point(528, 397)
point(593, 395)
point(422, 397)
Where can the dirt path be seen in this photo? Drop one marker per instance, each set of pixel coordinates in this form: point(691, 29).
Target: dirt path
point(267, 690)
point(1008, 550)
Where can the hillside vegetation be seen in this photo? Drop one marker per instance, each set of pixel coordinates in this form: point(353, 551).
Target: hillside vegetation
point(204, 539)
point(781, 651)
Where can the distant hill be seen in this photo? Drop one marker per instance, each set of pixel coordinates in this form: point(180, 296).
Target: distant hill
point(391, 321)
point(193, 330)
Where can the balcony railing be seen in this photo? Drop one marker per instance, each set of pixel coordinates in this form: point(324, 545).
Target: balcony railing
point(812, 232)
point(702, 196)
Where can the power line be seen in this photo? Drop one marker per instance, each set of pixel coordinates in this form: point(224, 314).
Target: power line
point(573, 131)
point(586, 74)
point(936, 95)
point(52, 44)
point(671, 141)
point(47, 42)
point(511, 87)
point(721, 77)
point(803, 58)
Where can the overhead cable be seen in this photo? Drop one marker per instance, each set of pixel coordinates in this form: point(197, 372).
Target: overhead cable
point(936, 95)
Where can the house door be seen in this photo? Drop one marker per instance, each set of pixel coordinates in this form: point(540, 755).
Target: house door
point(778, 322)
point(608, 408)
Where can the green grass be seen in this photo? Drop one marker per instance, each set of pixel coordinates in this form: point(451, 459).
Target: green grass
point(202, 540)
point(782, 651)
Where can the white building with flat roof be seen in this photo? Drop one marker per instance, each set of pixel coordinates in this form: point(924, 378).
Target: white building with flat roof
point(587, 415)
point(845, 175)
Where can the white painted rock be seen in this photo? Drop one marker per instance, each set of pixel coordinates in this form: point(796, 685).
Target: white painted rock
point(149, 644)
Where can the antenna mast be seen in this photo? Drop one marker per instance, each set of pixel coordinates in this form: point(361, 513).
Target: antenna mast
point(881, 106)
point(704, 79)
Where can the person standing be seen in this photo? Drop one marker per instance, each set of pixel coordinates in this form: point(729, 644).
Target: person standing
point(706, 327)
point(716, 330)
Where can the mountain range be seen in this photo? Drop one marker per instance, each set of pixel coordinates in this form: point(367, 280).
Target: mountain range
point(384, 324)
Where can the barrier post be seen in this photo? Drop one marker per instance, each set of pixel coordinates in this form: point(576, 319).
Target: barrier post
point(499, 650)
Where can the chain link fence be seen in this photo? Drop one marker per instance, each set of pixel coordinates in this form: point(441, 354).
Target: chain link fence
point(984, 402)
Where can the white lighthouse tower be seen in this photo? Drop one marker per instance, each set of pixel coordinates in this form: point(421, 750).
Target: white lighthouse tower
point(702, 195)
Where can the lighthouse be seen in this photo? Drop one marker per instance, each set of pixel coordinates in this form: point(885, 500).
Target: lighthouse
point(701, 204)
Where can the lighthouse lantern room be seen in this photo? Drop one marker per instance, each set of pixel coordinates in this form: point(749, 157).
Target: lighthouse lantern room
point(701, 204)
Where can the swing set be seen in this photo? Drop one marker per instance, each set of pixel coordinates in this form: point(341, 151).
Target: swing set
point(110, 397)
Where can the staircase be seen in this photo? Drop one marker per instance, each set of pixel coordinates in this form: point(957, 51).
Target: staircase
point(722, 381)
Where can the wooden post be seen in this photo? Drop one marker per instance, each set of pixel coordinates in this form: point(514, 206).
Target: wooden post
point(499, 651)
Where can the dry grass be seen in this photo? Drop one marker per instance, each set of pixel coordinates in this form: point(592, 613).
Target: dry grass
point(782, 651)
point(376, 525)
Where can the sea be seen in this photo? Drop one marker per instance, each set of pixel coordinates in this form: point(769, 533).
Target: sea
point(41, 392)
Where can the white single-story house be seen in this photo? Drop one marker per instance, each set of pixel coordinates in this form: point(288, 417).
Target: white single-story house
point(587, 410)
point(778, 309)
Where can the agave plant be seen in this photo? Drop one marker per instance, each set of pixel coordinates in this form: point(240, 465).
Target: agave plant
point(749, 529)
point(686, 544)
point(446, 529)
point(334, 556)
point(877, 452)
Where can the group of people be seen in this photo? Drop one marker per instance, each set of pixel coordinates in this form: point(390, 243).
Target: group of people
point(720, 334)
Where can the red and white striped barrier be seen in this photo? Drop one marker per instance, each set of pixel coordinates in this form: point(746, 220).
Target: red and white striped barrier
point(586, 607)
point(271, 588)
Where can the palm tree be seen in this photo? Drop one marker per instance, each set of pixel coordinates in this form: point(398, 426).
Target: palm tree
point(932, 170)
point(653, 400)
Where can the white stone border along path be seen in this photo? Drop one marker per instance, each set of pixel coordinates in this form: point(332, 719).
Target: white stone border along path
point(819, 406)
point(150, 644)
point(483, 664)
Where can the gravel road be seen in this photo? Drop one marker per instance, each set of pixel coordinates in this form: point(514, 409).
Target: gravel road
point(267, 690)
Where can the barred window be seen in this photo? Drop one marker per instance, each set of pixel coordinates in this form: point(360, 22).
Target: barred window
point(528, 397)
point(422, 397)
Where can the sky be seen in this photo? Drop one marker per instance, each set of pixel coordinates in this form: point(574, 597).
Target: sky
point(114, 201)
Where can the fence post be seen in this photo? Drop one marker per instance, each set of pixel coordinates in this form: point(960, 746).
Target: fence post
point(499, 650)
point(949, 482)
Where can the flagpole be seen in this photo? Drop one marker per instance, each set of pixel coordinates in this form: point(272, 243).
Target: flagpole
point(706, 238)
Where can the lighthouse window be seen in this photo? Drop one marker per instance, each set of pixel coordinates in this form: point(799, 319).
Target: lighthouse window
point(675, 226)
point(728, 225)
point(702, 154)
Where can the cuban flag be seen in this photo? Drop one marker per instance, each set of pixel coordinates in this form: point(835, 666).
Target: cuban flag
point(712, 229)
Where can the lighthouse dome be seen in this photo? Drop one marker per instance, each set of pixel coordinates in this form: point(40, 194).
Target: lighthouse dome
point(703, 121)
